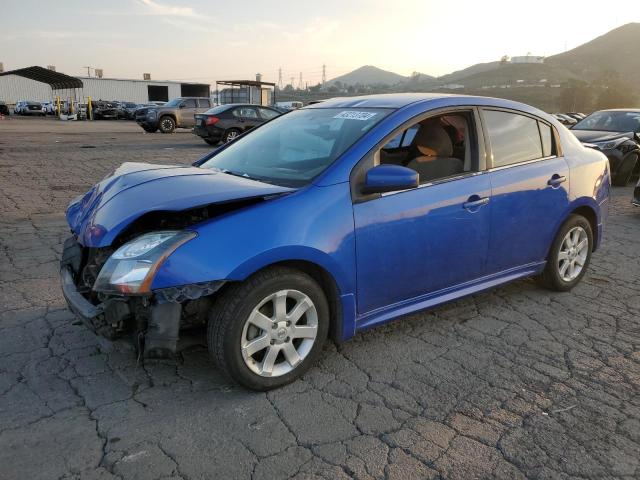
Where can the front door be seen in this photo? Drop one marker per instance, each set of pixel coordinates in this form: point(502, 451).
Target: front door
point(421, 241)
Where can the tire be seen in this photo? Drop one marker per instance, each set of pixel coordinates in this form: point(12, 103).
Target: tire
point(166, 124)
point(624, 172)
point(150, 129)
point(557, 275)
point(230, 135)
point(211, 142)
point(230, 326)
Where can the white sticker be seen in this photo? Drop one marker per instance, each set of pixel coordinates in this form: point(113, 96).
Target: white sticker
point(351, 115)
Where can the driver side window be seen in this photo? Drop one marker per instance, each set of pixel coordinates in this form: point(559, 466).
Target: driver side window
point(436, 148)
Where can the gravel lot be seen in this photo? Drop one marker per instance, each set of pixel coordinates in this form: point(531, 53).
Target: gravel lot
point(514, 383)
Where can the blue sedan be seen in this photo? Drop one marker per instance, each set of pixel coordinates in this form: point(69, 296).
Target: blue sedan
point(330, 220)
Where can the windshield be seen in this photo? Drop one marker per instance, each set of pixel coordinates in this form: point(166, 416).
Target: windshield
point(294, 148)
point(611, 121)
point(217, 110)
point(173, 103)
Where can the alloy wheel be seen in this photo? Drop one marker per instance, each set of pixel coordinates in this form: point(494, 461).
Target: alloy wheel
point(231, 135)
point(573, 254)
point(279, 333)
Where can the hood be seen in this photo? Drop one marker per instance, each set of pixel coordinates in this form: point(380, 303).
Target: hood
point(135, 189)
point(590, 136)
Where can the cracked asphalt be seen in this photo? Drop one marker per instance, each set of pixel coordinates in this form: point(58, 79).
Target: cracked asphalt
point(517, 382)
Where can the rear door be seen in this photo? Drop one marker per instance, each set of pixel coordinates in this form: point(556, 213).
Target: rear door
point(530, 188)
point(187, 112)
point(203, 105)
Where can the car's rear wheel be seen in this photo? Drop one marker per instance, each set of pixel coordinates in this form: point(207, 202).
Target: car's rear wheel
point(625, 170)
point(230, 135)
point(167, 124)
point(268, 330)
point(569, 256)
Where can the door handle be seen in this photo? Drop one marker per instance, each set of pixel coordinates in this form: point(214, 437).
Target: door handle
point(475, 201)
point(556, 180)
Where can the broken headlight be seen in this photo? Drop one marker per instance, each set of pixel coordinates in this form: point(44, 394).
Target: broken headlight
point(131, 268)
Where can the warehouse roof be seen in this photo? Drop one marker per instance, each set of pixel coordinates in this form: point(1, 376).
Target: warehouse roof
point(252, 83)
point(57, 80)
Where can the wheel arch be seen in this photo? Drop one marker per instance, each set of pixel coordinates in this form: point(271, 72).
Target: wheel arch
point(322, 275)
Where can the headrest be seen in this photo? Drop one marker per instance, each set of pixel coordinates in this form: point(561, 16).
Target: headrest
point(433, 140)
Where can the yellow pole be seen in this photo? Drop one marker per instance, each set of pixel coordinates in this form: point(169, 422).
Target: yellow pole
point(70, 106)
point(58, 104)
point(89, 109)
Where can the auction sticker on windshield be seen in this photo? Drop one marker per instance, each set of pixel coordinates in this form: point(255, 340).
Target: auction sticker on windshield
point(351, 115)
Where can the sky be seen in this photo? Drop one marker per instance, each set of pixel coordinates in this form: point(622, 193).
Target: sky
point(208, 40)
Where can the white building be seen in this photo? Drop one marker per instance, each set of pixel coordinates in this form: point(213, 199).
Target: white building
point(527, 59)
point(40, 84)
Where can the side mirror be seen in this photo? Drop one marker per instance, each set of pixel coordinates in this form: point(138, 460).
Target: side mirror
point(389, 178)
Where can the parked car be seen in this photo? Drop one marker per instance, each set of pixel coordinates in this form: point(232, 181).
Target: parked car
point(126, 110)
point(578, 116)
point(289, 105)
point(565, 119)
point(49, 108)
point(443, 196)
point(104, 110)
point(4, 110)
point(27, 107)
point(226, 122)
point(636, 195)
point(617, 134)
point(178, 113)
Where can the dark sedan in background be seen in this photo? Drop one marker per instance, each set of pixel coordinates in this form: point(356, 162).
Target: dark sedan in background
point(617, 134)
point(226, 122)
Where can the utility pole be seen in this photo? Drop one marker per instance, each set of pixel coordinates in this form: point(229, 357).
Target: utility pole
point(280, 78)
point(292, 78)
point(300, 82)
point(88, 71)
point(324, 75)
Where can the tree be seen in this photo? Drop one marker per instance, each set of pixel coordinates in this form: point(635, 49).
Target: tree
point(613, 91)
point(575, 96)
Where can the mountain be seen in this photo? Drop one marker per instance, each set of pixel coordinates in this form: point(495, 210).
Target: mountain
point(515, 73)
point(472, 70)
point(614, 51)
point(369, 75)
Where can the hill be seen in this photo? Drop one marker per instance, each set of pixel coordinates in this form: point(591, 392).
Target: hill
point(614, 51)
point(472, 70)
point(369, 75)
point(517, 73)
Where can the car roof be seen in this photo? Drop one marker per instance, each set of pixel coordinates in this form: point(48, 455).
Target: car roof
point(633, 110)
point(400, 100)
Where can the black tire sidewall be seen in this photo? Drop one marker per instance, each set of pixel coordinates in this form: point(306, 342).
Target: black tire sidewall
point(246, 299)
point(552, 272)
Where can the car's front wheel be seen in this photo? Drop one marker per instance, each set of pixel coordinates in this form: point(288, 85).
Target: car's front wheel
point(167, 125)
point(569, 256)
point(268, 330)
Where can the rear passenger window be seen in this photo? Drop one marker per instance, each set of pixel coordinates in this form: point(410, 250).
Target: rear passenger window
point(190, 103)
point(514, 138)
point(547, 139)
point(203, 102)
